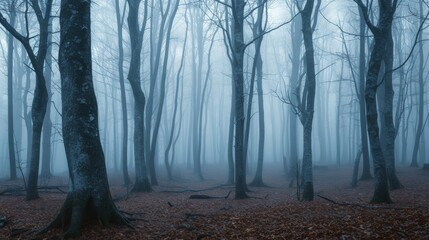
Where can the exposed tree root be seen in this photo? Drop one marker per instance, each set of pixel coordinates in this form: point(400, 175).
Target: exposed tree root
point(82, 206)
point(21, 232)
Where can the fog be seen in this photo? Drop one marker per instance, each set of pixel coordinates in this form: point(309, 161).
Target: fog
point(204, 109)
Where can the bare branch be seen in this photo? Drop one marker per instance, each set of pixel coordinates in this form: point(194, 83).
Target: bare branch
point(368, 22)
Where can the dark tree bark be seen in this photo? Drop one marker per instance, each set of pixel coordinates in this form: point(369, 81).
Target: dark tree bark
point(238, 48)
point(381, 33)
point(89, 195)
point(27, 117)
point(366, 171)
point(388, 125)
point(257, 181)
point(11, 138)
point(307, 111)
point(142, 183)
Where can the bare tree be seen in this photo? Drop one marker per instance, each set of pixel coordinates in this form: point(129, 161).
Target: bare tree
point(257, 29)
point(168, 163)
point(294, 93)
point(142, 183)
point(168, 16)
point(89, 194)
point(11, 140)
point(419, 130)
point(47, 123)
point(382, 34)
point(124, 156)
point(309, 92)
point(40, 93)
point(366, 174)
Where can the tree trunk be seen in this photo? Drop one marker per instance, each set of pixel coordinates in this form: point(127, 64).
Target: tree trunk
point(89, 194)
point(155, 56)
point(238, 48)
point(11, 138)
point(337, 130)
point(47, 124)
point(19, 73)
point(356, 168)
point(257, 181)
point(390, 131)
point(162, 93)
point(142, 183)
point(230, 152)
point(168, 165)
point(124, 150)
point(115, 128)
point(309, 95)
point(27, 118)
point(419, 130)
point(366, 171)
point(382, 34)
point(381, 193)
point(257, 30)
point(197, 24)
point(201, 109)
point(296, 39)
point(231, 126)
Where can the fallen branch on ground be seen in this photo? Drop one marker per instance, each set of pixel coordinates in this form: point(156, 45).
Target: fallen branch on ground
point(199, 190)
point(367, 206)
point(17, 191)
point(202, 196)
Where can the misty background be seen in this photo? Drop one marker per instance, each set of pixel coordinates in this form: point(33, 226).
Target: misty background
point(336, 105)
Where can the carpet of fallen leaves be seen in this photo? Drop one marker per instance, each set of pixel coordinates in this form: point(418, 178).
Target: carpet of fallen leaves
point(272, 213)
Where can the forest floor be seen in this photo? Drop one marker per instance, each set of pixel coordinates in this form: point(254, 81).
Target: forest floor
point(272, 213)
